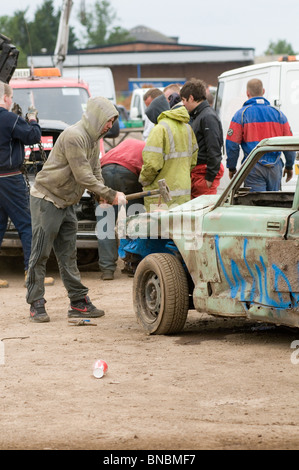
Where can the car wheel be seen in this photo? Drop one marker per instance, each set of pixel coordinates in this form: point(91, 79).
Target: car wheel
point(161, 294)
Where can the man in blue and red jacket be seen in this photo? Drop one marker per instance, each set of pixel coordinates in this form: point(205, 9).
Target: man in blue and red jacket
point(255, 121)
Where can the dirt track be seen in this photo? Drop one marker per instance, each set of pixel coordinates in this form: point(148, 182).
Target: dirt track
point(220, 384)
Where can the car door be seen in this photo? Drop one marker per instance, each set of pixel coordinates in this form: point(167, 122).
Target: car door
point(248, 243)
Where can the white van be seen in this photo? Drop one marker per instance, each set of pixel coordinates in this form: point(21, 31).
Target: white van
point(101, 83)
point(137, 106)
point(281, 83)
point(99, 79)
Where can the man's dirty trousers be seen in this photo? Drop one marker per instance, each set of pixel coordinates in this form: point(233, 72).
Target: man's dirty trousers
point(53, 228)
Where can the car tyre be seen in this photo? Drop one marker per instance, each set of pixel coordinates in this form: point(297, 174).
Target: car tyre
point(161, 294)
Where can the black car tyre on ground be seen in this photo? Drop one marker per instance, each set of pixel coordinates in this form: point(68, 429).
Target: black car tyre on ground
point(161, 294)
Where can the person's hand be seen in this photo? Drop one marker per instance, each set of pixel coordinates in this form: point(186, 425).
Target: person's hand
point(16, 108)
point(209, 183)
point(103, 203)
point(120, 199)
point(288, 174)
point(32, 114)
point(231, 173)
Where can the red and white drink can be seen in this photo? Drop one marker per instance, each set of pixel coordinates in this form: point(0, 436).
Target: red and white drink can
point(100, 368)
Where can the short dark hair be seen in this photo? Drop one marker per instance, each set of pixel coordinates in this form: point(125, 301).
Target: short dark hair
point(194, 87)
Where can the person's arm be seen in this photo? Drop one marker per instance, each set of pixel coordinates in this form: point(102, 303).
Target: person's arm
point(232, 145)
point(120, 197)
point(194, 150)
point(290, 157)
point(290, 160)
point(89, 178)
point(28, 133)
point(212, 132)
point(153, 156)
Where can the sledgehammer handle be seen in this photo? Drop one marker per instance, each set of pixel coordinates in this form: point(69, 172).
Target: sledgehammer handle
point(129, 197)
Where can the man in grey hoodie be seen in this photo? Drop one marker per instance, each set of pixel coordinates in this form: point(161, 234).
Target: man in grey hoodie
point(73, 166)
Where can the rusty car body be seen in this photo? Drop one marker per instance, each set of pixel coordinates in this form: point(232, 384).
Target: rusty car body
point(233, 255)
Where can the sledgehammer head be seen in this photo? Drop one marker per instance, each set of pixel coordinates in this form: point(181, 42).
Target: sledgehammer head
point(164, 190)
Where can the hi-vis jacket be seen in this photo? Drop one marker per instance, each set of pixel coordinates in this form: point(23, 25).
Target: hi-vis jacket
point(170, 153)
point(255, 121)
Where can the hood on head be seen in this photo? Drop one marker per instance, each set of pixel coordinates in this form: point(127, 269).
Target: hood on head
point(174, 99)
point(157, 106)
point(99, 110)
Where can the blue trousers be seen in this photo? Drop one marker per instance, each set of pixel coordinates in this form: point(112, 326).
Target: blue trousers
point(14, 203)
point(265, 178)
point(121, 179)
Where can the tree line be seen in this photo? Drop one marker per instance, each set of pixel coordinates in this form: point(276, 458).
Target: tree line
point(98, 25)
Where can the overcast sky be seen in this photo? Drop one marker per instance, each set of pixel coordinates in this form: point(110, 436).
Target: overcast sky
point(235, 23)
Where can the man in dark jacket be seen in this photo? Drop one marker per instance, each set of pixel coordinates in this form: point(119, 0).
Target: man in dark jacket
point(205, 177)
point(14, 195)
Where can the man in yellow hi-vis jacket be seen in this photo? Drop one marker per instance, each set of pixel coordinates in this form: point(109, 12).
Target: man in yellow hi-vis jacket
point(170, 153)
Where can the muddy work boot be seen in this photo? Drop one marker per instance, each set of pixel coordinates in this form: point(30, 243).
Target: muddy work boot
point(38, 312)
point(83, 308)
point(3, 283)
point(108, 276)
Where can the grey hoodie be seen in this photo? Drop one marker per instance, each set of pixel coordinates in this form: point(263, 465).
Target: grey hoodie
point(73, 164)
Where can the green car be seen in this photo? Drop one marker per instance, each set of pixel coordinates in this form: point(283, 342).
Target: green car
point(232, 255)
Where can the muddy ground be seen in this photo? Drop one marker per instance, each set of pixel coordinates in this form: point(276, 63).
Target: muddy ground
point(219, 384)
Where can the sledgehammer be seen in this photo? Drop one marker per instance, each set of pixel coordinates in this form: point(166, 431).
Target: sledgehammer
point(163, 191)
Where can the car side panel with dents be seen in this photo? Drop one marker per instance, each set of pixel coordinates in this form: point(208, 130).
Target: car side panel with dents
point(245, 263)
point(237, 273)
point(240, 248)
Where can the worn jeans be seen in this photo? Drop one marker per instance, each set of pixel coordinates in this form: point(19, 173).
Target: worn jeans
point(265, 178)
point(14, 203)
point(53, 228)
point(121, 179)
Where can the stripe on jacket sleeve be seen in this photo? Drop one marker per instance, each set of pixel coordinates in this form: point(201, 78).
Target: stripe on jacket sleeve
point(173, 153)
point(235, 132)
point(150, 148)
